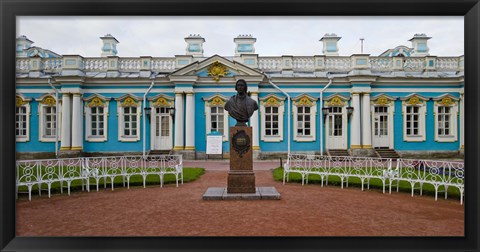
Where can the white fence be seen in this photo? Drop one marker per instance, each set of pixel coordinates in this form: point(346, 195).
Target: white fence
point(417, 173)
point(32, 173)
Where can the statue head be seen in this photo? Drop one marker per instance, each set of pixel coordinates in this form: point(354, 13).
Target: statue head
point(241, 87)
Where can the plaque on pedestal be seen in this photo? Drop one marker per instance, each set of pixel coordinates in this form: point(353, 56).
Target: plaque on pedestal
point(241, 178)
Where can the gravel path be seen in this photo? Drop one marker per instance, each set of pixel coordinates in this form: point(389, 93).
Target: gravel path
point(308, 210)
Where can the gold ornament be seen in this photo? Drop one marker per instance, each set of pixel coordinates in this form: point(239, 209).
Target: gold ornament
point(129, 102)
point(447, 101)
point(161, 102)
point(48, 101)
point(382, 101)
point(96, 102)
point(217, 101)
point(271, 102)
point(335, 101)
point(304, 101)
point(217, 70)
point(414, 101)
point(19, 101)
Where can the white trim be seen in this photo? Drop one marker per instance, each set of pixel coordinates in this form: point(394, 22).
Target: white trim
point(88, 123)
point(41, 126)
point(344, 127)
point(25, 138)
point(281, 112)
point(453, 137)
point(421, 137)
point(209, 122)
point(391, 128)
point(261, 90)
point(120, 112)
point(313, 113)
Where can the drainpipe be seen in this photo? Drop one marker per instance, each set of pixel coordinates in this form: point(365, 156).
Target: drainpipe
point(289, 113)
point(144, 121)
point(57, 115)
point(330, 80)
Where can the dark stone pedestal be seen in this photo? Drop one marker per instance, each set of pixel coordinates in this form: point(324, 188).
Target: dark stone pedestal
point(241, 178)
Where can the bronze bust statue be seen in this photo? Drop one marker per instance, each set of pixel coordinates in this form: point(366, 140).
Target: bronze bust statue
point(241, 106)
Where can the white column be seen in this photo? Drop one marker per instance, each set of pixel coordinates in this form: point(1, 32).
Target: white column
point(462, 121)
point(77, 123)
point(190, 122)
point(355, 126)
point(366, 122)
point(254, 124)
point(178, 121)
point(66, 123)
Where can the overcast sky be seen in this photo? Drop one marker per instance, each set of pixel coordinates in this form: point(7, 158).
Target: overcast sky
point(164, 36)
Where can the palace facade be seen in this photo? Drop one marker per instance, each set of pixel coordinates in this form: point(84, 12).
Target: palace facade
point(404, 100)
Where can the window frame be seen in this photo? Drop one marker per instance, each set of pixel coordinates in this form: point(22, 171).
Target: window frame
point(48, 100)
point(96, 101)
point(217, 101)
point(272, 101)
point(21, 101)
point(421, 103)
point(122, 103)
point(302, 101)
point(452, 103)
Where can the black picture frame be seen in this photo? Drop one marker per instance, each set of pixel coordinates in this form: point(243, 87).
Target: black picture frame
point(470, 9)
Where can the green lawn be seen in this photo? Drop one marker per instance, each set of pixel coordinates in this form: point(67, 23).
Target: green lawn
point(189, 174)
point(428, 189)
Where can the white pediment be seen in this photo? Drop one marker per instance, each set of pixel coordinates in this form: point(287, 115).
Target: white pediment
point(201, 68)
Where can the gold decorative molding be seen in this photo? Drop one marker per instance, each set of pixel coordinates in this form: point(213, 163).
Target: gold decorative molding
point(367, 146)
point(335, 101)
point(271, 102)
point(96, 102)
point(217, 70)
point(256, 148)
point(189, 147)
point(48, 101)
point(178, 148)
point(129, 102)
point(446, 101)
point(354, 146)
point(19, 101)
point(77, 148)
point(303, 101)
point(414, 100)
point(217, 101)
point(383, 101)
point(161, 102)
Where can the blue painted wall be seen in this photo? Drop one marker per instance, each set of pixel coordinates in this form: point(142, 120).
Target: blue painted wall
point(113, 145)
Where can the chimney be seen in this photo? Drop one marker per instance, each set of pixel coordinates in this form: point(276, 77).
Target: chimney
point(109, 46)
point(244, 44)
point(194, 45)
point(419, 44)
point(330, 44)
point(22, 43)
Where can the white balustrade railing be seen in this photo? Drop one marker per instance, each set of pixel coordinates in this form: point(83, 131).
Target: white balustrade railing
point(447, 63)
point(95, 64)
point(163, 64)
point(302, 63)
point(414, 64)
point(36, 173)
point(22, 65)
point(440, 174)
point(381, 63)
point(129, 64)
point(270, 63)
point(342, 64)
point(52, 64)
